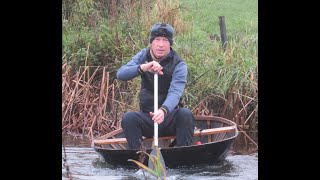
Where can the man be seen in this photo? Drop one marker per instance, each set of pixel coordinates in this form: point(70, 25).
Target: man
point(172, 70)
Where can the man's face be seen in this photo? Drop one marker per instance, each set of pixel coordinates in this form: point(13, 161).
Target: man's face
point(160, 47)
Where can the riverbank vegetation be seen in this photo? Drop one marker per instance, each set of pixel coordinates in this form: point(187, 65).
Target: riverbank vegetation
point(99, 36)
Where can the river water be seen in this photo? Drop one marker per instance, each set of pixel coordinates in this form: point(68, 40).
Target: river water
point(84, 164)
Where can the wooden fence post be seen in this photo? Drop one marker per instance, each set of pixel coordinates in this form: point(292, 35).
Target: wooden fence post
point(223, 32)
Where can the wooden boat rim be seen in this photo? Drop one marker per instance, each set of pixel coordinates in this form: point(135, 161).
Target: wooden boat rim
point(232, 127)
point(169, 148)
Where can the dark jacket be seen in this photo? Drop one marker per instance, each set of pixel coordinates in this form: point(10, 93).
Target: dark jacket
point(171, 83)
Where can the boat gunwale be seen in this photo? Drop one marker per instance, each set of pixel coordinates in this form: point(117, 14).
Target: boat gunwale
point(231, 124)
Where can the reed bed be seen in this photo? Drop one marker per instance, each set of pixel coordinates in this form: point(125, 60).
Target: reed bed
point(89, 103)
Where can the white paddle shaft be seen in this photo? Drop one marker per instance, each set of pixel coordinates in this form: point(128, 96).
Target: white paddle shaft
point(155, 108)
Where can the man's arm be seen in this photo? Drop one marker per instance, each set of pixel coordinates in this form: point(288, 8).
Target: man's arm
point(177, 85)
point(131, 69)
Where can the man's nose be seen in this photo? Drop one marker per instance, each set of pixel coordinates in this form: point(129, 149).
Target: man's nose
point(161, 42)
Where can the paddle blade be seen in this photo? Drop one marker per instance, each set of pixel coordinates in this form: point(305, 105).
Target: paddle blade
point(156, 162)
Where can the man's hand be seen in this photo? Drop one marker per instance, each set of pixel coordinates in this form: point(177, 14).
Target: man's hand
point(157, 117)
point(152, 67)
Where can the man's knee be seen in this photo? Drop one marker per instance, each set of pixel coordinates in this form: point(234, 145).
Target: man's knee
point(185, 117)
point(127, 119)
point(185, 111)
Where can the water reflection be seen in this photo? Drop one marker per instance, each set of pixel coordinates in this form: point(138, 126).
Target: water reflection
point(85, 164)
point(219, 169)
point(203, 170)
point(75, 141)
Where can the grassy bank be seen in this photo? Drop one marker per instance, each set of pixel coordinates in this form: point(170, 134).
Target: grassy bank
point(106, 34)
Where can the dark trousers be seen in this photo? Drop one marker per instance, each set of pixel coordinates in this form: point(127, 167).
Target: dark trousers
point(179, 122)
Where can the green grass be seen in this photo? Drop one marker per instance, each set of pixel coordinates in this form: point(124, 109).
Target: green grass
point(239, 14)
point(202, 16)
point(203, 54)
